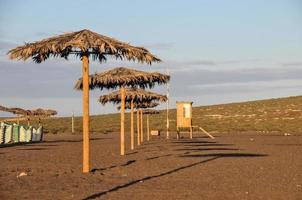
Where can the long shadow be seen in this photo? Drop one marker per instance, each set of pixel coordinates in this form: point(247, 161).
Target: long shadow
point(41, 145)
point(215, 156)
point(18, 144)
point(223, 155)
point(102, 169)
point(129, 162)
point(152, 158)
point(146, 178)
point(285, 144)
point(46, 142)
point(32, 149)
point(193, 142)
point(135, 152)
point(206, 145)
point(73, 141)
point(207, 149)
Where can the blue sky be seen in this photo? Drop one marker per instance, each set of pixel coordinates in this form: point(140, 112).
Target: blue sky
point(216, 51)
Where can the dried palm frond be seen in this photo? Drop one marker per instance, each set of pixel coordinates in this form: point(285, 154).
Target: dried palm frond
point(123, 76)
point(135, 94)
point(139, 105)
point(78, 43)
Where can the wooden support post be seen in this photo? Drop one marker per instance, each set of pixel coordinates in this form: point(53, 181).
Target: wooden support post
point(138, 128)
point(191, 132)
point(148, 128)
point(122, 121)
point(168, 122)
point(212, 137)
point(142, 127)
point(132, 126)
point(85, 67)
point(177, 135)
point(72, 123)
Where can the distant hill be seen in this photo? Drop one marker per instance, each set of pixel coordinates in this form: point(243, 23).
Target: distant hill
point(274, 116)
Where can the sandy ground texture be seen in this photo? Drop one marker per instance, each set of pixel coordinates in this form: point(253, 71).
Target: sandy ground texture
point(229, 167)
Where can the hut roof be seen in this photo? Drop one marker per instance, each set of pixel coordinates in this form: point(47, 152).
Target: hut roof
point(122, 76)
point(138, 95)
point(84, 41)
point(138, 105)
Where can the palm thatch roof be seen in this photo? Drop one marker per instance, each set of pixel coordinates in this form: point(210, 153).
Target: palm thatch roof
point(122, 76)
point(150, 111)
point(139, 105)
point(36, 112)
point(135, 94)
point(79, 43)
point(43, 112)
point(4, 109)
point(16, 111)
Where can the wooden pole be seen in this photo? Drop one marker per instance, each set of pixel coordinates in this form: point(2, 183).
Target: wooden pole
point(142, 127)
point(122, 121)
point(132, 126)
point(72, 122)
point(148, 128)
point(138, 132)
point(85, 68)
point(168, 95)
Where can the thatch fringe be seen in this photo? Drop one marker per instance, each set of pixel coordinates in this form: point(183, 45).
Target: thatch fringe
point(79, 43)
point(150, 112)
point(140, 105)
point(135, 94)
point(125, 77)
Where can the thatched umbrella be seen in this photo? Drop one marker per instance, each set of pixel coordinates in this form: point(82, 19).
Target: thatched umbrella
point(17, 111)
point(43, 112)
point(22, 112)
point(83, 44)
point(123, 77)
point(134, 97)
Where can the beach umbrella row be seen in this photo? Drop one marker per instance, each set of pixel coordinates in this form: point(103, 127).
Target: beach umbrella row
point(123, 78)
point(20, 112)
point(84, 44)
point(134, 99)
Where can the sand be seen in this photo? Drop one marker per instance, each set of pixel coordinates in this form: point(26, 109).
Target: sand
point(230, 167)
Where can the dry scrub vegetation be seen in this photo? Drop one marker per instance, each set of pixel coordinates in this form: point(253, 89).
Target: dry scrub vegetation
point(273, 116)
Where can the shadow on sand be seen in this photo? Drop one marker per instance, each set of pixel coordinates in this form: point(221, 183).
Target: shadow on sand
point(152, 158)
point(215, 156)
point(129, 162)
point(207, 149)
point(42, 143)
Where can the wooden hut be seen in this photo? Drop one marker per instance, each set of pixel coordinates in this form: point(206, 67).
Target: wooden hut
point(184, 117)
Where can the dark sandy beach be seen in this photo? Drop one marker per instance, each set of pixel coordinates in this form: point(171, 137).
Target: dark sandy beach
point(229, 167)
